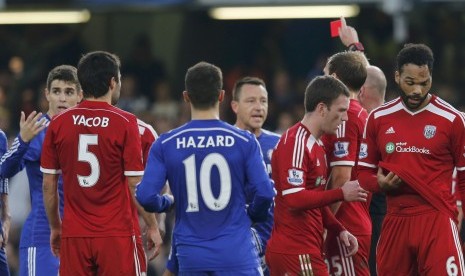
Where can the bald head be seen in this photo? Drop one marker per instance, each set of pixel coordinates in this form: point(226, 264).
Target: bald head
point(373, 91)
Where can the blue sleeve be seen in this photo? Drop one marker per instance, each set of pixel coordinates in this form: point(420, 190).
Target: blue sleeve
point(3, 147)
point(260, 187)
point(148, 191)
point(12, 161)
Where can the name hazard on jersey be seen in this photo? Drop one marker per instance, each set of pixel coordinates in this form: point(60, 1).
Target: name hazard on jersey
point(91, 121)
point(204, 141)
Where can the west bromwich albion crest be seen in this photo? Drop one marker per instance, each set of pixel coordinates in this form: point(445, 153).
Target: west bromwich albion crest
point(429, 131)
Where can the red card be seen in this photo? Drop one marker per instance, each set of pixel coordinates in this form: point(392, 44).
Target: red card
point(335, 25)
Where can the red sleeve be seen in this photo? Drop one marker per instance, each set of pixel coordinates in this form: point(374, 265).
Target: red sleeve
point(148, 136)
point(458, 148)
point(369, 157)
point(330, 222)
point(132, 151)
point(344, 149)
point(310, 199)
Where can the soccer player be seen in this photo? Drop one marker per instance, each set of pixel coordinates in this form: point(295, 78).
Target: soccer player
point(373, 90)
point(5, 213)
point(250, 103)
point(62, 91)
point(300, 174)
point(411, 146)
point(210, 165)
point(147, 136)
point(342, 150)
point(97, 149)
point(371, 96)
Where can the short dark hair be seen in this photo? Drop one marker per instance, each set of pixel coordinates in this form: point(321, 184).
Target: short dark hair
point(418, 54)
point(245, 80)
point(350, 68)
point(66, 73)
point(323, 89)
point(95, 71)
point(203, 82)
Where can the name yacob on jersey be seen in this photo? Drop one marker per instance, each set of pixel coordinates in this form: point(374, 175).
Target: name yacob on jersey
point(91, 121)
point(204, 141)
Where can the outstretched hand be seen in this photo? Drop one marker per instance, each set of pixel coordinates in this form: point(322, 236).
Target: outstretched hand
point(31, 126)
point(347, 34)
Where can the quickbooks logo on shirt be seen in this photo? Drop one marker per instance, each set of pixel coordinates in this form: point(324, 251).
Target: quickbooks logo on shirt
point(402, 147)
point(390, 147)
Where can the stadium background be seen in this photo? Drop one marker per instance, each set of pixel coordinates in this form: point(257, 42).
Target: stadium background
point(157, 40)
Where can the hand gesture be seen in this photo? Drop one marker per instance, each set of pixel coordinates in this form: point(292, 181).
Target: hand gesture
point(154, 241)
point(353, 192)
point(55, 241)
point(31, 126)
point(388, 182)
point(350, 242)
point(347, 34)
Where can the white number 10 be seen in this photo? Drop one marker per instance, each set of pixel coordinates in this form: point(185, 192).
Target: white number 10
point(214, 204)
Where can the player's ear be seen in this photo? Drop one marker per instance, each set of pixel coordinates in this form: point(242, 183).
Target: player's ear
point(47, 94)
point(397, 77)
point(234, 106)
point(221, 96)
point(321, 109)
point(185, 96)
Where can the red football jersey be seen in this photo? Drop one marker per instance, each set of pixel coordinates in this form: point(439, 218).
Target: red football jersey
point(95, 146)
point(299, 167)
point(429, 142)
point(148, 135)
point(343, 149)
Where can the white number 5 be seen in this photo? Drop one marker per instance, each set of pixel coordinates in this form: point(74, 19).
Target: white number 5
point(84, 155)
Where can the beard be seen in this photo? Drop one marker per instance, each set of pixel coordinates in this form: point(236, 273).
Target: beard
point(405, 98)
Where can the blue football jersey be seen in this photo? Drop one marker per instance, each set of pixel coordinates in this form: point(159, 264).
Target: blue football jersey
point(3, 181)
point(36, 230)
point(209, 165)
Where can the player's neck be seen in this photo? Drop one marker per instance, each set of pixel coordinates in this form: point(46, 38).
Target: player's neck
point(353, 95)
point(208, 114)
point(101, 99)
point(255, 131)
point(312, 123)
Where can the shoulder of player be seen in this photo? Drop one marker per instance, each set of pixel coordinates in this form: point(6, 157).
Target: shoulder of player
point(222, 129)
point(145, 128)
point(387, 108)
point(267, 133)
point(443, 109)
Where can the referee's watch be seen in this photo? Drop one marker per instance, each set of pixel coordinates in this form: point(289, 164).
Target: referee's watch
point(357, 46)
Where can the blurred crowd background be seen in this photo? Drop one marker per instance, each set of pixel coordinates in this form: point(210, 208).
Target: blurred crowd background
point(158, 40)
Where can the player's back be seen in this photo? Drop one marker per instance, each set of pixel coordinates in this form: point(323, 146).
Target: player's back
point(97, 147)
point(207, 164)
